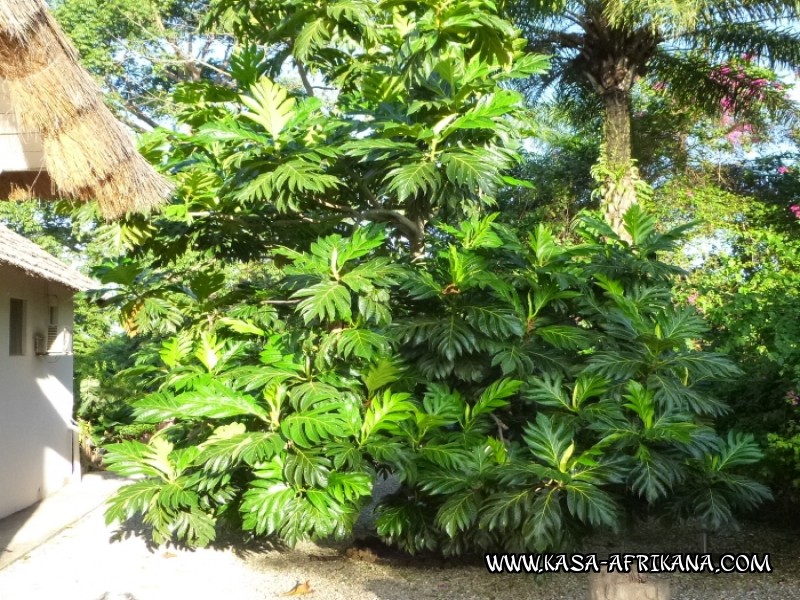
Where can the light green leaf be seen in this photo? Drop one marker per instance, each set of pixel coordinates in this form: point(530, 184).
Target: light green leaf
point(326, 301)
point(270, 106)
point(409, 180)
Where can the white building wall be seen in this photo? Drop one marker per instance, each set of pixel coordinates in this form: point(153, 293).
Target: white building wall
point(37, 439)
point(19, 150)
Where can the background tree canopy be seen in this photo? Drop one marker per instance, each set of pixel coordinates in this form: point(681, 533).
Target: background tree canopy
point(378, 262)
point(684, 48)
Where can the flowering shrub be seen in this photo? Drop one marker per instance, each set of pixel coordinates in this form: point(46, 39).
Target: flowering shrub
point(746, 85)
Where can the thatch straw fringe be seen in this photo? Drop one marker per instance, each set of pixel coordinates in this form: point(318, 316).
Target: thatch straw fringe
point(113, 193)
point(21, 253)
point(16, 15)
point(72, 157)
point(87, 152)
point(31, 69)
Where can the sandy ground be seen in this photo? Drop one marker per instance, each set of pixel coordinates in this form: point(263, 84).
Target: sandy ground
point(82, 563)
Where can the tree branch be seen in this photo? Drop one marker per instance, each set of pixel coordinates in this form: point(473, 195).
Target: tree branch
point(304, 78)
point(362, 185)
point(382, 214)
point(143, 117)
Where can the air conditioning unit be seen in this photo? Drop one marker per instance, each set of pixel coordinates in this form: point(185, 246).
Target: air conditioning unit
point(53, 342)
point(39, 347)
point(52, 338)
point(52, 331)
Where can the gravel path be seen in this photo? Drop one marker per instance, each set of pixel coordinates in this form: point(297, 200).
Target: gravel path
point(81, 564)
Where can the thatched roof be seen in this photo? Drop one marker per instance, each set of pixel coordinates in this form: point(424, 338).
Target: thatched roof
point(87, 153)
point(22, 253)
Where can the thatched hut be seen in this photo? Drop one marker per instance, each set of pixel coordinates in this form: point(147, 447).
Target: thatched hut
point(57, 137)
point(38, 439)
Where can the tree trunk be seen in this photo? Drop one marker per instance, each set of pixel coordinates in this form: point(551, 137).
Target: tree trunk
point(418, 242)
point(418, 211)
point(619, 180)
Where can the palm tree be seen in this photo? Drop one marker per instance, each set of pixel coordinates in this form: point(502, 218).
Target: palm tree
point(605, 47)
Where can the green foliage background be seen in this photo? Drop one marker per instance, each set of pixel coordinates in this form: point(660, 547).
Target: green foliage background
point(331, 299)
point(379, 262)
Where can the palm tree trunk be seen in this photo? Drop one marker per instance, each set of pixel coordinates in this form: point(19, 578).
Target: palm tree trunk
point(619, 184)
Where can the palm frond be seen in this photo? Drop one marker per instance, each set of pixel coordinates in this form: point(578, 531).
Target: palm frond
point(775, 46)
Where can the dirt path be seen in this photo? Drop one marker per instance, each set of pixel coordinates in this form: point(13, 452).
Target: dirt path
point(81, 564)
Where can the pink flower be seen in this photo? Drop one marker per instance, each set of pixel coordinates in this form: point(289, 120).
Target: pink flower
point(692, 299)
point(795, 210)
point(782, 170)
point(734, 137)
